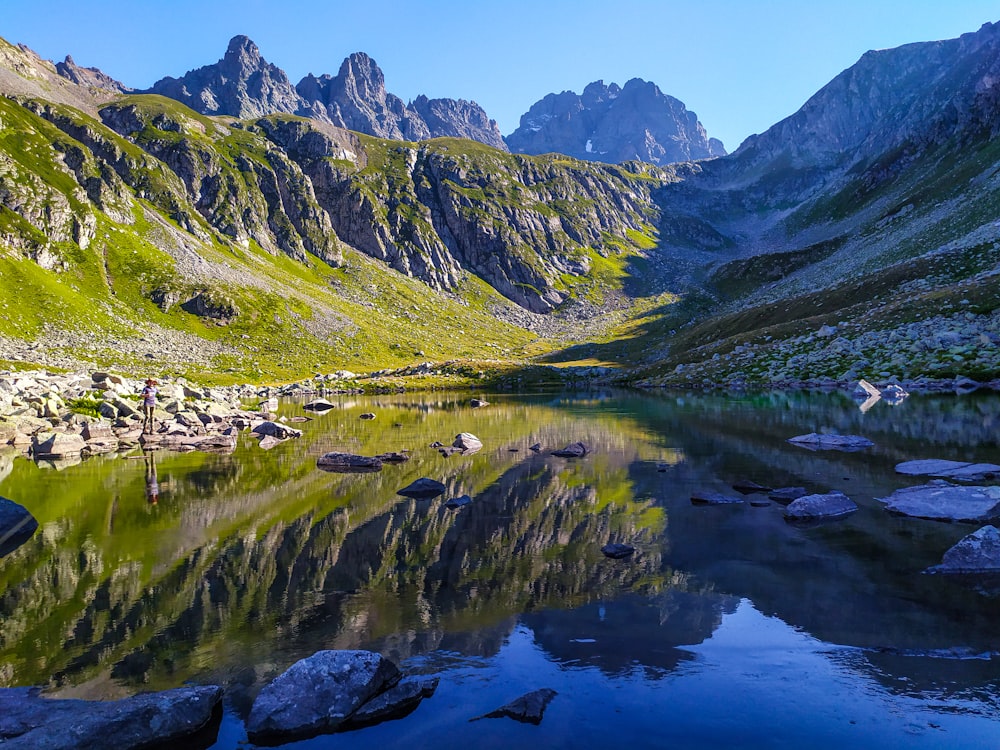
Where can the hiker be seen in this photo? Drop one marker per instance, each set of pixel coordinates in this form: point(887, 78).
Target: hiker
point(148, 396)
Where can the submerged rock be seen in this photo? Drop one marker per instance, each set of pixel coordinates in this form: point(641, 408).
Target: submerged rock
point(785, 495)
point(318, 694)
point(529, 708)
point(347, 463)
point(820, 507)
point(423, 489)
point(939, 500)
point(30, 721)
point(702, 497)
point(979, 552)
point(822, 441)
point(618, 551)
point(961, 470)
point(573, 450)
point(748, 487)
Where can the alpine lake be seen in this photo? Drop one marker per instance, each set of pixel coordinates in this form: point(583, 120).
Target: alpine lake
point(728, 627)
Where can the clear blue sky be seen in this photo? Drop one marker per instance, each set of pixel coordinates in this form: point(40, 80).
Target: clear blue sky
point(741, 65)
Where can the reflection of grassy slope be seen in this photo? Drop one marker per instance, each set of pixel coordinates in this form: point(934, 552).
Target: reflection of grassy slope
point(239, 546)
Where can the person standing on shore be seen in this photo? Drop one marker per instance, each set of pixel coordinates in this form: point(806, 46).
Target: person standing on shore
point(148, 396)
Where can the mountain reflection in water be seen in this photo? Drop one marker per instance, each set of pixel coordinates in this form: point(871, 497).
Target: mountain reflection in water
point(728, 627)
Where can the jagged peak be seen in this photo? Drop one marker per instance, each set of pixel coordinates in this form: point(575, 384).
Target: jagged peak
point(241, 46)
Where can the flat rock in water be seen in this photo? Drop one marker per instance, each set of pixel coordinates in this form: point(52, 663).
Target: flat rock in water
point(748, 487)
point(318, 694)
point(617, 551)
point(395, 702)
point(941, 501)
point(319, 404)
point(393, 457)
point(961, 470)
point(30, 721)
point(714, 498)
point(16, 526)
point(785, 495)
point(348, 463)
point(423, 489)
point(820, 507)
point(573, 450)
point(760, 502)
point(367, 415)
point(979, 552)
point(529, 708)
point(817, 441)
point(458, 502)
point(57, 445)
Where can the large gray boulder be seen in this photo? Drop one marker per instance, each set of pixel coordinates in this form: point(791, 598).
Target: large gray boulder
point(16, 525)
point(939, 500)
point(318, 694)
point(822, 441)
point(820, 507)
point(30, 721)
point(979, 552)
point(57, 445)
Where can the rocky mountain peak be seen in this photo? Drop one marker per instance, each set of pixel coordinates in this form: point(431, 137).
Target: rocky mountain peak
point(93, 77)
point(613, 124)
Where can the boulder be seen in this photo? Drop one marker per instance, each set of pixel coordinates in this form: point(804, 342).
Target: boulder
point(269, 441)
point(394, 457)
point(57, 445)
point(319, 404)
point(617, 551)
point(573, 450)
point(979, 552)
point(367, 415)
point(274, 429)
point(820, 507)
point(16, 526)
point(394, 703)
point(458, 502)
point(423, 489)
point(348, 463)
point(318, 694)
point(529, 708)
point(477, 403)
point(467, 443)
point(702, 497)
point(816, 441)
point(30, 721)
point(537, 447)
point(939, 500)
point(94, 430)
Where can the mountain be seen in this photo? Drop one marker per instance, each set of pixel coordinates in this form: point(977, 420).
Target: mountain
point(614, 124)
point(859, 237)
point(244, 85)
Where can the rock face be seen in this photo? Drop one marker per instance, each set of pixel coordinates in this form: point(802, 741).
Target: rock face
point(318, 694)
point(28, 721)
point(939, 500)
point(614, 124)
point(244, 85)
point(979, 552)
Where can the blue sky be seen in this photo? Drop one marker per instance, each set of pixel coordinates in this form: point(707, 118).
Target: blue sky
point(741, 65)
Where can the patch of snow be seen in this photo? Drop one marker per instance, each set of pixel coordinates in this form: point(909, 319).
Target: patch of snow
point(589, 148)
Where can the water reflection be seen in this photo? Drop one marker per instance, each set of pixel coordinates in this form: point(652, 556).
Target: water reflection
point(245, 562)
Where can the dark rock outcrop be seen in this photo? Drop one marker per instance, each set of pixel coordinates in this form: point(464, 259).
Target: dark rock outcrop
point(614, 124)
point(423, 489)
point(16, 525)
point(348, 463)
point(979, 552)
point(30, 721)
point(529, 708)
point(318, 694)
point(573, 450)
